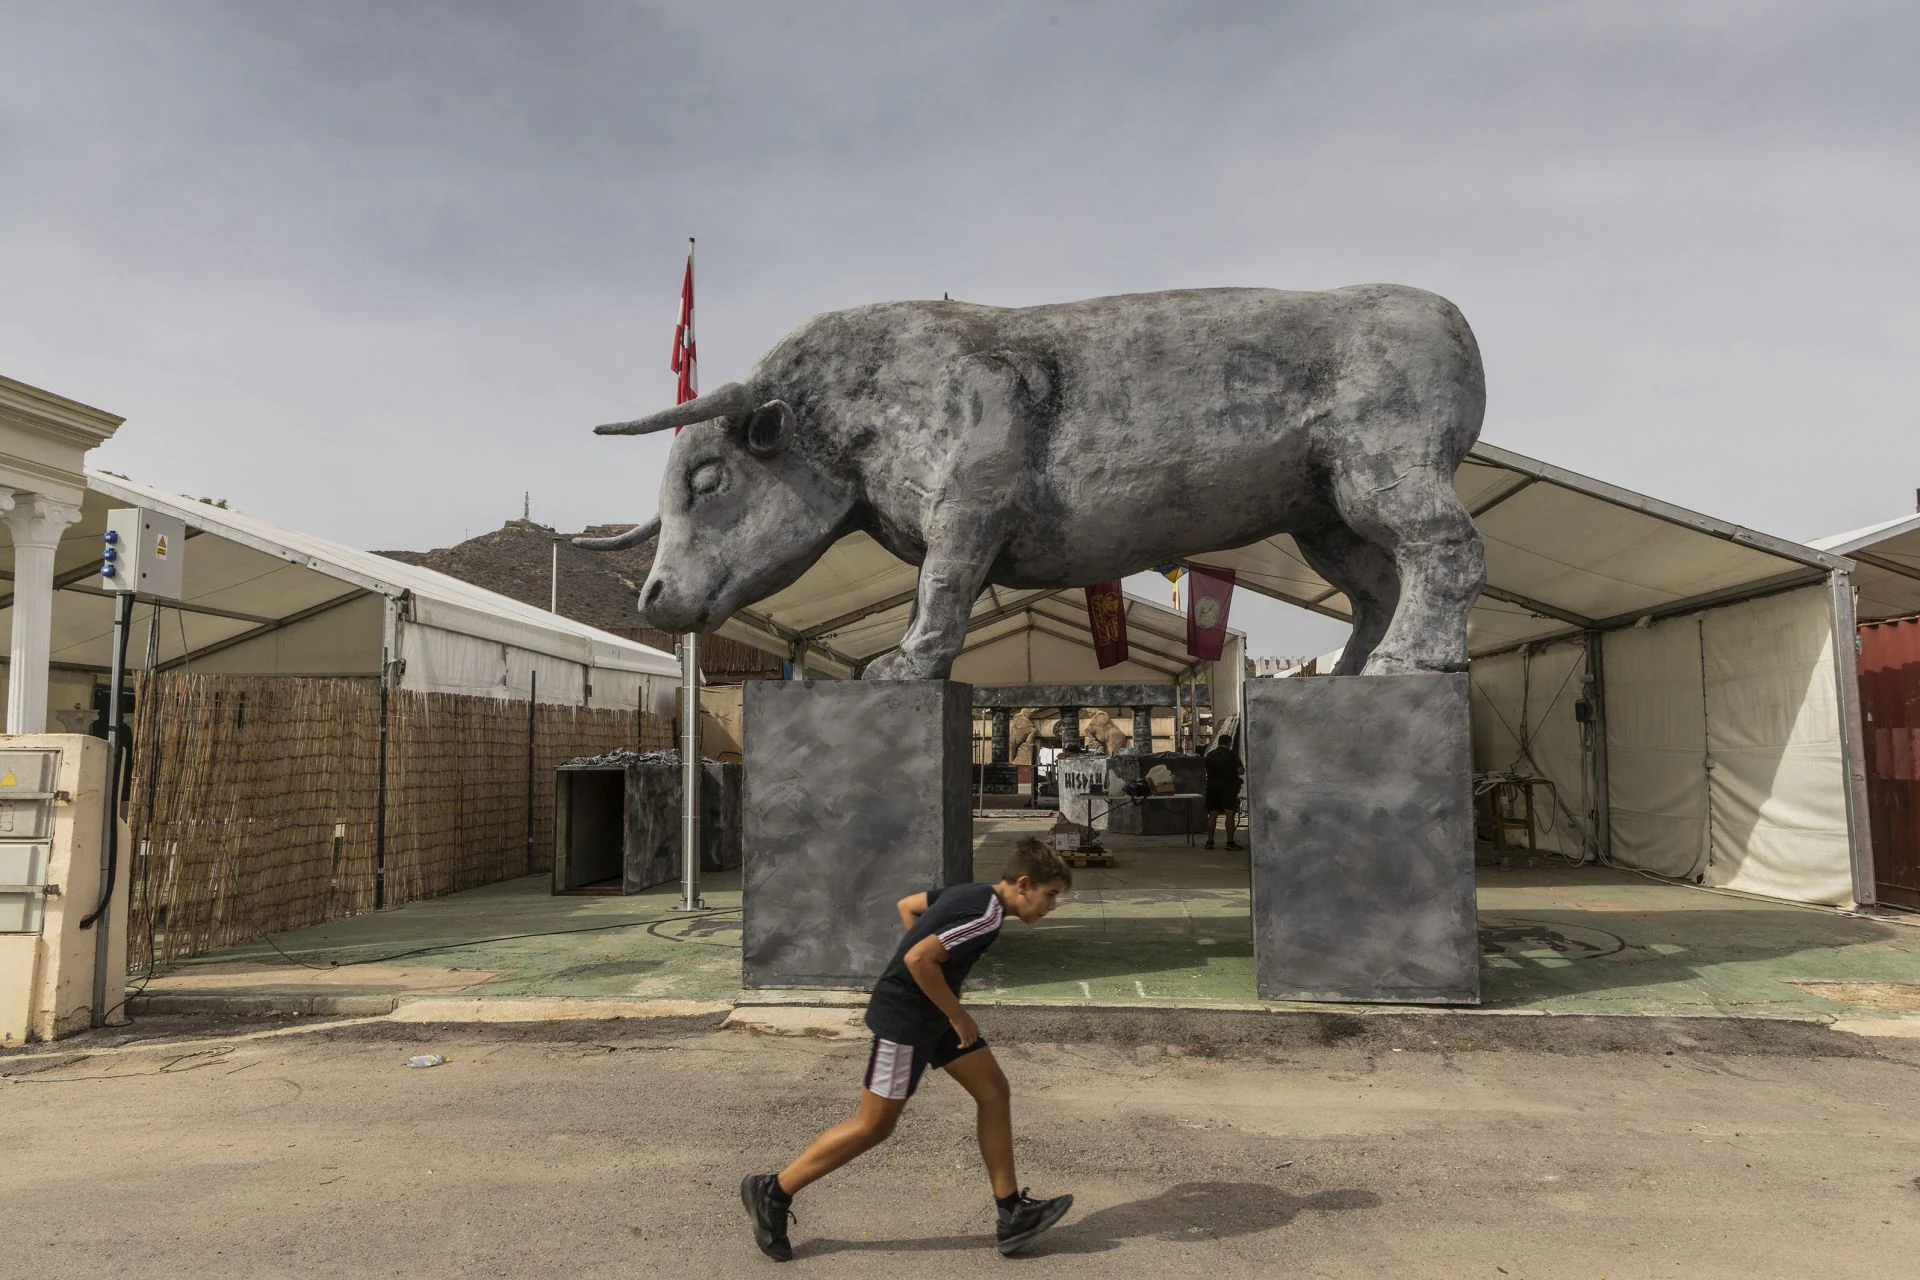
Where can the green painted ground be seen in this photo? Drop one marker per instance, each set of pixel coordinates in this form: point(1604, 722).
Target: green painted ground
point(1167, 926)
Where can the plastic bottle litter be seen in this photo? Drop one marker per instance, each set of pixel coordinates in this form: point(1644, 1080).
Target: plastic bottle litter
point(426, 1059)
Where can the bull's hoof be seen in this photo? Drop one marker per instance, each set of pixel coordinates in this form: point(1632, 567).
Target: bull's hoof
point(898, 665)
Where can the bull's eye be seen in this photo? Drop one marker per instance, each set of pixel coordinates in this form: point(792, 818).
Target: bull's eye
point(706, 477)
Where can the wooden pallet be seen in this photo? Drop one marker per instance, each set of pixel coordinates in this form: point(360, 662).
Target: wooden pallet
point(1077, 859)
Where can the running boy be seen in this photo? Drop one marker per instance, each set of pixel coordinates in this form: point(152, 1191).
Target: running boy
point(917, 1022)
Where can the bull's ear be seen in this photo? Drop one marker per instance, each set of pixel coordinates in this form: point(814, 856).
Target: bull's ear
point(769, 428)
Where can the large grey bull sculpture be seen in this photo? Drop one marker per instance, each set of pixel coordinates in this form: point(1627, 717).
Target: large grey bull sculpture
point(1057, 446)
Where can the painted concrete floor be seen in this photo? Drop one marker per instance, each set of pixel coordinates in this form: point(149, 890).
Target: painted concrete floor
point(1168, 925)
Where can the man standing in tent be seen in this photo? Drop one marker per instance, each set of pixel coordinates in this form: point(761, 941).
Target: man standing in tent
point(1223, 788)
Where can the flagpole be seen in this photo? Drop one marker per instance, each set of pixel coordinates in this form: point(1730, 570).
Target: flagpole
point(690, 771)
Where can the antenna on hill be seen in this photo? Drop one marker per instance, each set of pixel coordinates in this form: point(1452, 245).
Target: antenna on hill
point(526, 505)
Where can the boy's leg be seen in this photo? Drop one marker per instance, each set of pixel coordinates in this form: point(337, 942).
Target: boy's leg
point(981, 1076)
point(870, 1126)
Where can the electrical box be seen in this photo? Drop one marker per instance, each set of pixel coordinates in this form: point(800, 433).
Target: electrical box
point(143, 552)
point(23, 886)
point(26, 831)
point(54, 808)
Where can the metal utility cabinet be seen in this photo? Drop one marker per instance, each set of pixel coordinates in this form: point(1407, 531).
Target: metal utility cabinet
point(617, 825)
point(53, 812)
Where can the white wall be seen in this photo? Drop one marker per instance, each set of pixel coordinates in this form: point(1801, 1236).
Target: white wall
point(1723, 745)
point(1723, 749)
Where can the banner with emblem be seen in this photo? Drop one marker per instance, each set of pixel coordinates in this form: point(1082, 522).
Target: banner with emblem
point(1209, 593)
point(1107, 619)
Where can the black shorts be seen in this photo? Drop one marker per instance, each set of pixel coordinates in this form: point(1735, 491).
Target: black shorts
point(894, 1069)
point(1222, 799)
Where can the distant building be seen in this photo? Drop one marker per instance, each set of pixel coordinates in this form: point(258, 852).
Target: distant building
point(1268, 667)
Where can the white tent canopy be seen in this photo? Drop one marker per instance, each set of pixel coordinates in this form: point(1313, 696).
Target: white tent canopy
point(1886, 571)
point(1566, 554)
point(855, 605)
point(1683, 686)
point(266, 600)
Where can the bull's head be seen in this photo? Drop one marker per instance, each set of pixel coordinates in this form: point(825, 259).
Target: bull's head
point(745, 508)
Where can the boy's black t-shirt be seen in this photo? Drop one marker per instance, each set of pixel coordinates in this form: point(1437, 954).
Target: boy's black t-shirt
point(967, 918)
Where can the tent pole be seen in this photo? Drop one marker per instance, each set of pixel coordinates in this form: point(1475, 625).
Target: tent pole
point(1853, 755)
point(1597, 728)
point(690, 772)
point(533, 731)
point(380, 804)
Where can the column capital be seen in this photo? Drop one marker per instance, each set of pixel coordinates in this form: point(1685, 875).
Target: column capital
point(37, 520)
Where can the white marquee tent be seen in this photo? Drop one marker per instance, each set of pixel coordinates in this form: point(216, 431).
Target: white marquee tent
point(1685, 686)
point(260, 599)
point(1722, 723)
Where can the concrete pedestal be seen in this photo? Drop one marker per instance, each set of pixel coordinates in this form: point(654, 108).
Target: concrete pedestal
point(857, 794)
point(1360, 815)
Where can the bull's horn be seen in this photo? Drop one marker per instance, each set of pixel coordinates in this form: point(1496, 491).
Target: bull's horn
point(722, 402)
point(621, 541)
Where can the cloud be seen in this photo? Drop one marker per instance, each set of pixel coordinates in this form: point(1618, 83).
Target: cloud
point(372, 270)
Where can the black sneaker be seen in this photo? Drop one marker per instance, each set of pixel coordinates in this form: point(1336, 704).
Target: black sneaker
point(770, 1215)
point(1028, 1218)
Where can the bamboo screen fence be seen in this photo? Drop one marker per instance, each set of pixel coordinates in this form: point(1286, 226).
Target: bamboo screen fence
point(255, 802)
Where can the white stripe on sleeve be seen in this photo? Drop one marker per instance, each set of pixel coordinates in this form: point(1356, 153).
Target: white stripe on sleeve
point(983, 924)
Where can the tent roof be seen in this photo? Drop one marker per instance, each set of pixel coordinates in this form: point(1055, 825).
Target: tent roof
point(1886, 571)
point(246, 577)
point(1565, 552)
point(855, 604)
point(1047, 640)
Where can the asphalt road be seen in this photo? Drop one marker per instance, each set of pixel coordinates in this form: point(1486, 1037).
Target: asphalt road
point(1197, 1145)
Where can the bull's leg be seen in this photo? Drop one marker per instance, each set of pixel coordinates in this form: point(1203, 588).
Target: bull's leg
point(1413, 513)
point(1365, 574)
point(950, 581)
point(965, 530)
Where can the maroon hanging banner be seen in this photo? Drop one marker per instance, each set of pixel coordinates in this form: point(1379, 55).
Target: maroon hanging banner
point(1107, 619)
point(1209, 593)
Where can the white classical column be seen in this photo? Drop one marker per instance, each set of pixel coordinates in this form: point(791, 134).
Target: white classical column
point(37, 522)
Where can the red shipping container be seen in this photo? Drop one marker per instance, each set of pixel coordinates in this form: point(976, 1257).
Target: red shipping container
point(1890, 707)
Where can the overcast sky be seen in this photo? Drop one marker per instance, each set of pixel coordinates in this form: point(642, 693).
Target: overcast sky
point(372, 269)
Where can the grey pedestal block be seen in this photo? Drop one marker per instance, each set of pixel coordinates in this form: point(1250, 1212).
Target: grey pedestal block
point(653, 822)
point(857, 794)
point(623, 820)
point(1360, 814)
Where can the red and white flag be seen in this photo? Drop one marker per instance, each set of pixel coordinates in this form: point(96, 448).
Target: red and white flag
point(685, 358)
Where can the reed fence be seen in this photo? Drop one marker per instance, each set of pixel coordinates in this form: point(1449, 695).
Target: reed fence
point(255, 802)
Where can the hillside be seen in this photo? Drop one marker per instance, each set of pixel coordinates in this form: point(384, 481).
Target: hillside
point(599, 588)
